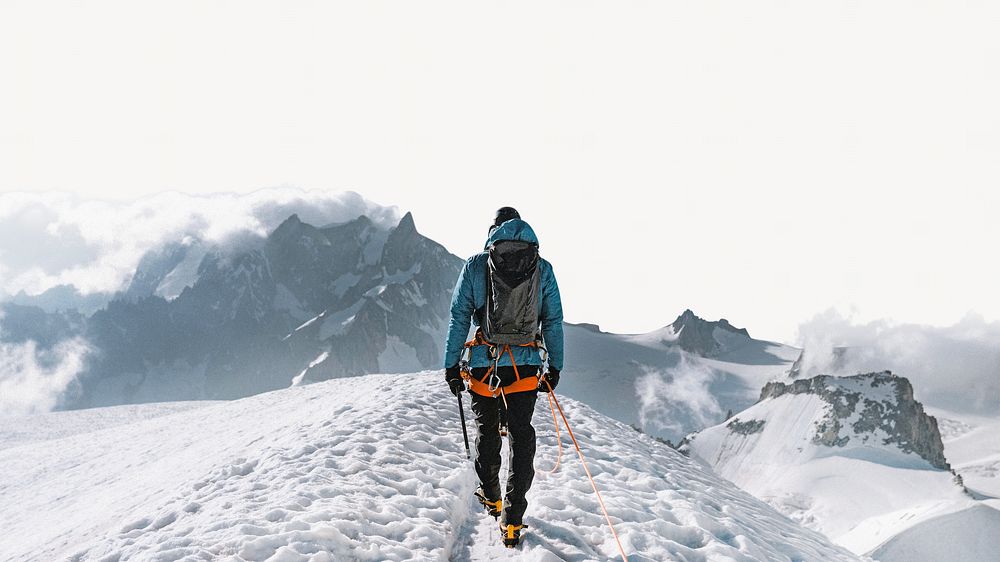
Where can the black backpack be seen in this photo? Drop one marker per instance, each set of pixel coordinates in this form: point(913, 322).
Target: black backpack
point(512, 278)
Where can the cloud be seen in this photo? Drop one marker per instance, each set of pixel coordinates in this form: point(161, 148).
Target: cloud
point(32, 379)
point(49, 239)
point(953, 367)
point(670, 397)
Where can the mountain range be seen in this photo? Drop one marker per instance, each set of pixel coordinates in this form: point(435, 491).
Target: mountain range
point(309, 303)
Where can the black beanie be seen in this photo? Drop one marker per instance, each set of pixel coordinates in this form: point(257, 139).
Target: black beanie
point(505, 214)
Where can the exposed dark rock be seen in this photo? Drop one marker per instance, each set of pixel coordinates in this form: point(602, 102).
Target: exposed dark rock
point(898, 416)
point(697, 335)
point(746, 428)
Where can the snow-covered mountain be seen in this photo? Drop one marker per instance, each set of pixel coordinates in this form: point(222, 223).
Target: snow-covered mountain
point(367, 468)
point(854, 457)
point(305, 303)
point(678, 379)
point(310, 303)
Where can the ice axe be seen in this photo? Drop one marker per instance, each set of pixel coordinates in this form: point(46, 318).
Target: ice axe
point(465, 432)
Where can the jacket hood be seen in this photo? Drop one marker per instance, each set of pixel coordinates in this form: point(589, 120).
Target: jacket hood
point(514, 229)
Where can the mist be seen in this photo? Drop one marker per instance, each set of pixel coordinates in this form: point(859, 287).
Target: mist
point(51, 239)
point(32, 379)
point(669, 396)
point(953, 367)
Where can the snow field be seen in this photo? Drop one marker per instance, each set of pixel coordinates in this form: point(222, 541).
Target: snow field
point(969, 534)
point(973, 448)
point(369, 469)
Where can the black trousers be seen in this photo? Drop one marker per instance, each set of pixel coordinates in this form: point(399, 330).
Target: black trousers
point(521, 435)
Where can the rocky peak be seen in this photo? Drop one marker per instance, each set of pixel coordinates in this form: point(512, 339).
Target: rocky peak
point(403, 245)
point(292, 230)
point(406, 224)
point(697, 335)
point(869, 406)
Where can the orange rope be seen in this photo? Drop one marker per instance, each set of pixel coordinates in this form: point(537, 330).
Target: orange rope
point(555, 421)
point(585, 468)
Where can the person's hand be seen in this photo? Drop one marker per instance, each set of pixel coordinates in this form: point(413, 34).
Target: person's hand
point(453, 376)
point(552, 376)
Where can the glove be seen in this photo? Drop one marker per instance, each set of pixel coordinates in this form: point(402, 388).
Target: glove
point(552, 376)
point(453, 377)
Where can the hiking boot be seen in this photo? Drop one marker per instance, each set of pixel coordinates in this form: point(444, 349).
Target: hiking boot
point(493, 507)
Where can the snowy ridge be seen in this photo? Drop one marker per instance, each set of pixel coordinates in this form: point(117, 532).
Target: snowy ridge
point(367, 468)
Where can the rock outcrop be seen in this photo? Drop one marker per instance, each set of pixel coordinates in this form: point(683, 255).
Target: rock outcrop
point(870, 406)
point(699, 336)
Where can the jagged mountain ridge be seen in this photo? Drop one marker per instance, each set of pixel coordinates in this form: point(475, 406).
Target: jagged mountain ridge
point(706, 338)
point(308, 303)
point(304, 304)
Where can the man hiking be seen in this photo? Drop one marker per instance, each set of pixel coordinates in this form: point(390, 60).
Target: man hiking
point(510, 293)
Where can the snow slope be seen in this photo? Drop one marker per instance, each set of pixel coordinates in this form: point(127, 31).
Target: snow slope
point(973, 448)
point(366, 468)
point(971, 532)
point(860, 492)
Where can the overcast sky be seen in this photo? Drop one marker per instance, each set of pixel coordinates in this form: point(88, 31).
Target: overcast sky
point(761, 161)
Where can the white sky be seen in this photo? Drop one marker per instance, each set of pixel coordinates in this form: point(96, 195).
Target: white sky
point(761, 161)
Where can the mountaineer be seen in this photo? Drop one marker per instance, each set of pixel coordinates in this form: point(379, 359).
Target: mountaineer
point(511, 294)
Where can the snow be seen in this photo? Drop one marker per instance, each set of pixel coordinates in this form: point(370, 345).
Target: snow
point(365, 468)
point(375, 239)
point(284, 299)
point(164, 381)
point(969, 534)
point(337, 323)
point(344, 283)
point(728, 340)
point(297, 379)
point(15, 431)
point(860, 494)
point(397, 357)
point(309, 322)
point(973, 449)
point(184, 275)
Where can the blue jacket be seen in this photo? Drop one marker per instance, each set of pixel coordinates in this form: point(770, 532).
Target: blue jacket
point(470, 295)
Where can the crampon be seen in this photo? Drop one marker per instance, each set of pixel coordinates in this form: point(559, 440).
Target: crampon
point(493, 507)
point(511, 534)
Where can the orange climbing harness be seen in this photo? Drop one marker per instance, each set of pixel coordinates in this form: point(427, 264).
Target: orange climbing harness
point(480, 386)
